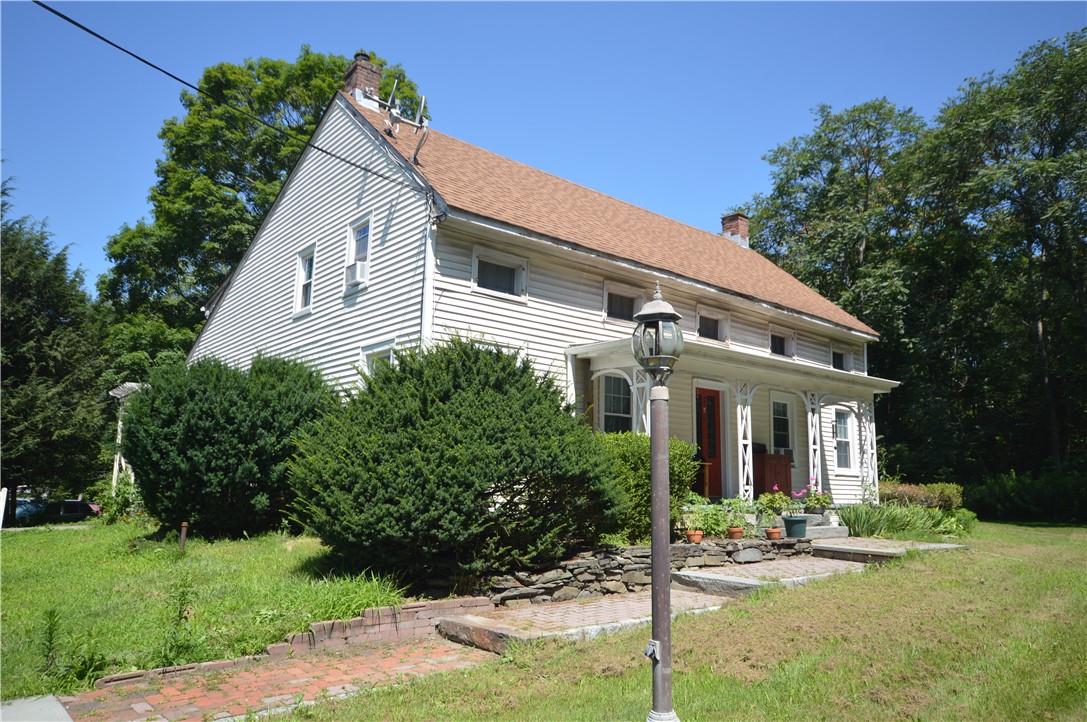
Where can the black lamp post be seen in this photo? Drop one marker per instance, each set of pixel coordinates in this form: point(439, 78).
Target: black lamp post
point(657, 343)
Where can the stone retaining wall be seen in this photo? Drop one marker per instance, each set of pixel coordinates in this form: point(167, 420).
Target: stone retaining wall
point(616, 570)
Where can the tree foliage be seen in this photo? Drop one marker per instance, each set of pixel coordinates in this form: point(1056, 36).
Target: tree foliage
point(208, 443)
point(457, 461)
point(53, 402)
point(964, 243)
point(219, 176)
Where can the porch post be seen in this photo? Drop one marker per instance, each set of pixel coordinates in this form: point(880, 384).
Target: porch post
point(815, 440)
point(745, 392)
point(867, 433)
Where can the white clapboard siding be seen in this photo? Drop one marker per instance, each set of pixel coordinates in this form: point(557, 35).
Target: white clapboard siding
point(749, 332)
point(563, 306)
point(845, 484)
point(812, 349)
point(324, 196)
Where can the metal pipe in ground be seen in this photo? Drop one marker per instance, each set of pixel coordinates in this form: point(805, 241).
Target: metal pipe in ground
point(660, 647)
point(183, 536)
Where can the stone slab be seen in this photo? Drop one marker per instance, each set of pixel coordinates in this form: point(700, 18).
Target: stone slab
point(734, 580)
point(34, 709)
point(869, 550)
point(828, 532)
point(575, 619)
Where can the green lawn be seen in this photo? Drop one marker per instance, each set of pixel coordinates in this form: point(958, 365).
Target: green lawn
point(133, 603)
point(998, 632)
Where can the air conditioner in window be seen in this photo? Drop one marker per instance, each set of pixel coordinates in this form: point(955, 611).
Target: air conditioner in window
point(355, 274)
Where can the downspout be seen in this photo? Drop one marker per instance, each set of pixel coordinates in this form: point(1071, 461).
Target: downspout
point(429, 241)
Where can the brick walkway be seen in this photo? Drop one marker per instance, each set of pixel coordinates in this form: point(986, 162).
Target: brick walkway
point(272, 684)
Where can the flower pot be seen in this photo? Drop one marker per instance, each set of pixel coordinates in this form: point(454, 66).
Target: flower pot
point(773, 532)
point(694, 536)
point(796, 527)
point(735, 532)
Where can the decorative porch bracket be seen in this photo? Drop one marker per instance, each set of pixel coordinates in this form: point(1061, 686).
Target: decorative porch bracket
point(867, 433)
point(814, 404)
point(745, 393)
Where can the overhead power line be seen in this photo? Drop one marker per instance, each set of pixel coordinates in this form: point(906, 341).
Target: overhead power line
point(217, 101)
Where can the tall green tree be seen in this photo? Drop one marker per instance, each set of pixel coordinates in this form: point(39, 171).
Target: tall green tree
point(219, 176)
point(52, 400)
point(964, 243)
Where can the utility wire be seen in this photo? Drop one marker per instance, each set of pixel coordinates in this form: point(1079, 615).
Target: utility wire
point(216, 101)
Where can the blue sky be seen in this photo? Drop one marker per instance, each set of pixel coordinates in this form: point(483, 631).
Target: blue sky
point(670, 107)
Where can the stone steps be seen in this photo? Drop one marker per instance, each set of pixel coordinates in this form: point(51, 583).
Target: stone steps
point(739, 580)
point(828, 532)
point(870, 551)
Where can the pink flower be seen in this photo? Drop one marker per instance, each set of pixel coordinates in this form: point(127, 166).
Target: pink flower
point(798, 494)
point(775, 488)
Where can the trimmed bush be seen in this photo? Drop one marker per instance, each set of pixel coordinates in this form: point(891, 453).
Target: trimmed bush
point(455, 461)
point(631, 455)
point(944, 496)
point(209, 443)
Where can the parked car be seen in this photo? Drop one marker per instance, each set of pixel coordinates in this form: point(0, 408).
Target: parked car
point(71, 510)
point(27, 511)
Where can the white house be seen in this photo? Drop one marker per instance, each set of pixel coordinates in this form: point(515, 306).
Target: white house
point(388, 234)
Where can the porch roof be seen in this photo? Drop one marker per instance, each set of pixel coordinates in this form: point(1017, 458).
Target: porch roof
point(740, 362)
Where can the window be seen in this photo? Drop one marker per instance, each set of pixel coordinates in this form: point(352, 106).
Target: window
point(781, 435)
point(381, 353)
point(842, 442)
point(357, 271)
point(838, 360)
point(617, 405)
point(778, 345)
point(709, 327)
point(495, 277)
point(304, 281)
point(620, 306)
point(499, 273)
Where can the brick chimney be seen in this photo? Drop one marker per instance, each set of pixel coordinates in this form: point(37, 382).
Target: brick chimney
point(362, 78)
point(734, 226)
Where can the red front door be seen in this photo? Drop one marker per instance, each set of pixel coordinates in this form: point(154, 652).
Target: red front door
point(708, 435)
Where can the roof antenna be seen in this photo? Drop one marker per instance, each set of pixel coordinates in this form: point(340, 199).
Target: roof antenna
point(392, 121)
point(419, 115)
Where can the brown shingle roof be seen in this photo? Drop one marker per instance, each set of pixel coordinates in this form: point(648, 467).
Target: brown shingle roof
point(480, 182)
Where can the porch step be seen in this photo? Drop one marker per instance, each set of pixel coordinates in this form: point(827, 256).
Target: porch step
point(827, 532)
point(868, 550)
point(739, 579)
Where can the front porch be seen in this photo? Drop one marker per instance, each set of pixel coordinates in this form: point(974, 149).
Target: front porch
point(758, 420)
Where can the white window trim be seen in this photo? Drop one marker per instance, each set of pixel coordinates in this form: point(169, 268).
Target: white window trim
point(851, 424)
point(309, 251)
point(373, 351)
point(847, 353)
point(790, 403)
point(520, 279)
point(367, 219)
point(790, 341)
point(621, 289)
point(724, 322)
point(600, 413)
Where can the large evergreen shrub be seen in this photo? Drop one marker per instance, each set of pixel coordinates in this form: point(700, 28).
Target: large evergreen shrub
point(631, 455)
point(209, 443)
point(457, 461)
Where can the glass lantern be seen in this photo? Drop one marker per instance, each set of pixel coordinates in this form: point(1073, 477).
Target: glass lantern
point(657, 341)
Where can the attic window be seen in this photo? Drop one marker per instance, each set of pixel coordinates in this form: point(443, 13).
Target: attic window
point(838, 360)
point(621, 306)
point(496, 272)
point(778, 345)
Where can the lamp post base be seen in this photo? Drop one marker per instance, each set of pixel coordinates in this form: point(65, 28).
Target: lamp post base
point(655, 716)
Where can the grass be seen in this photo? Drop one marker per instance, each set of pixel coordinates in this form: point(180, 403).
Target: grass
point(124, 602)
point(996, 632)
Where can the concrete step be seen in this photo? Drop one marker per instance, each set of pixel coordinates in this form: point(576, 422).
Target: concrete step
point(739, 579)
point(827, 532)
point(869, 550)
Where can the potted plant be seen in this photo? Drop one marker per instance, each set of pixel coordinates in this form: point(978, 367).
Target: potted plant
point(796, 524)
point(817, 502)
point(696, 518)
point(735, 528)
point(769, 520)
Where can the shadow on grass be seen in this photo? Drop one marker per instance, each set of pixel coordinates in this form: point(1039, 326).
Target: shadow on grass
point(1038, 524)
